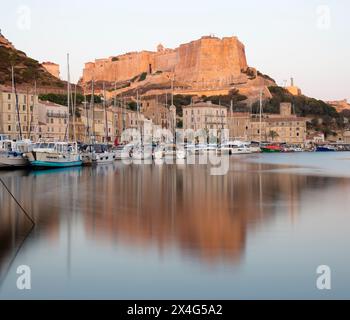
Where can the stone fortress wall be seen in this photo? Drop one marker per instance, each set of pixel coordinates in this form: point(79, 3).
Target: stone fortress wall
point(208, 59)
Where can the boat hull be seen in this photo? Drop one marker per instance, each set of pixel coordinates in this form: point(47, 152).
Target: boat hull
point(269, 150)
point(47, 164)
point(13, 162)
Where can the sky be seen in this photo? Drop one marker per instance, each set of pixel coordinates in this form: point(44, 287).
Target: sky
point(306, 40)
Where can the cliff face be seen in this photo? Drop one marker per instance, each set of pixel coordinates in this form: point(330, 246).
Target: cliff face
point(26, 70)
point(209, 60)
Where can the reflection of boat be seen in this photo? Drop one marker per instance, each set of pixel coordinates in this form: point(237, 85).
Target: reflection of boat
point(325, 149)
point(271, 149)
point(11, 153)
point(55, 155)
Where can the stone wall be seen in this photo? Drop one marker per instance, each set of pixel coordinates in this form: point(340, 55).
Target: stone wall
point(209, 59)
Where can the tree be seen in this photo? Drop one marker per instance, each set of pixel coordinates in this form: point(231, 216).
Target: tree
point(273, 134)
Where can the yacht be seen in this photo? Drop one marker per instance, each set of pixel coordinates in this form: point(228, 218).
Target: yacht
point(12, 153)
point(236, 147)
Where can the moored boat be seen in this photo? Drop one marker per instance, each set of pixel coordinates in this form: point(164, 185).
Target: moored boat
point(271, 149)
point(54, 155)
point(325, 149)
point(12, 153)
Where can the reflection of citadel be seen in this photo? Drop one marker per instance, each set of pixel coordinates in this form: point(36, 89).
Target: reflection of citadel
point(183, 207)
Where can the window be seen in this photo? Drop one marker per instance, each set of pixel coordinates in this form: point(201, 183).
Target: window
point(51, 121)
point(9, 107)
point(9, 128)
point(9, 117)
point(24, 108)
point(9, 96)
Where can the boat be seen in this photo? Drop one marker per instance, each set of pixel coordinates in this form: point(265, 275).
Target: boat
point(54, 155)
point(97, 154)
point(325, 149)
point(240, 150)
point(142, 152)
point(12, 153)
point(236, 147)
point(271, 149)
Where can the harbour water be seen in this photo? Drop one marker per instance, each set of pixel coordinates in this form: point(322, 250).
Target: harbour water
point(176, 232)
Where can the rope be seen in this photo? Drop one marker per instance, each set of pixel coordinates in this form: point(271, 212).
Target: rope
point(13, 197)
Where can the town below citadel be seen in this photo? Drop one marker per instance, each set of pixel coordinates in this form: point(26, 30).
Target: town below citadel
point(205, 84)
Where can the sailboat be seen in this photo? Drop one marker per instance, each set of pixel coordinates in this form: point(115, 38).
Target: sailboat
point(12, 152)
point(95, 154)
point(57, 154)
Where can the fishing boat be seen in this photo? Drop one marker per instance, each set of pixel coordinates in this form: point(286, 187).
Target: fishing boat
point(271, 149)
point(54, 155)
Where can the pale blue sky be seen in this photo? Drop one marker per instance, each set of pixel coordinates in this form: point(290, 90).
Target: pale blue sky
point(283, 38)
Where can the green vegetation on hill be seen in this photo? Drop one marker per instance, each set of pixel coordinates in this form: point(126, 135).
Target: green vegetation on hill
point(233, 97)
point(303, 106)
point(324, 117)
point(26, 70)
point(62, 98)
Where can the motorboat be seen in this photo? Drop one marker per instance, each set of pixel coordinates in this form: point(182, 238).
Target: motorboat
point(54, 155)
point(95, 154)
point(12, 153)
point(326, 148)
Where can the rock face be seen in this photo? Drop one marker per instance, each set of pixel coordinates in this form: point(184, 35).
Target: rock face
point(52, 68)
point(207, 61)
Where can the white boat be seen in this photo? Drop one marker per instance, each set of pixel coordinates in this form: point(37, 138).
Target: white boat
point(54, 155)
point(97, 154)
point(142, 152)
point(240, 150)
point(237, 147)
point(169, 152)
point(12, 153)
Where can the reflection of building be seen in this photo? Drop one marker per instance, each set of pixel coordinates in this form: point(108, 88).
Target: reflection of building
point(204, 116)
point(27, 112)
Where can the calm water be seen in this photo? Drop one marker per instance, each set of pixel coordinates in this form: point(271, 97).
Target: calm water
point(175, 231)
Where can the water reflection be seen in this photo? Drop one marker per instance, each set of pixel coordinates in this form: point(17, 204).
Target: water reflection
point(207, 218)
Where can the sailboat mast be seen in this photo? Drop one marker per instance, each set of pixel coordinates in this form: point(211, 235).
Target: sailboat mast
point(105, 112)
point(92, 105)
point(260, 120)
point(14, 91)
point(74, 110)
point(68, 97)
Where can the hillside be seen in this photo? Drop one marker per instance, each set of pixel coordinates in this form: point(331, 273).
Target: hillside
point(26, 69)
